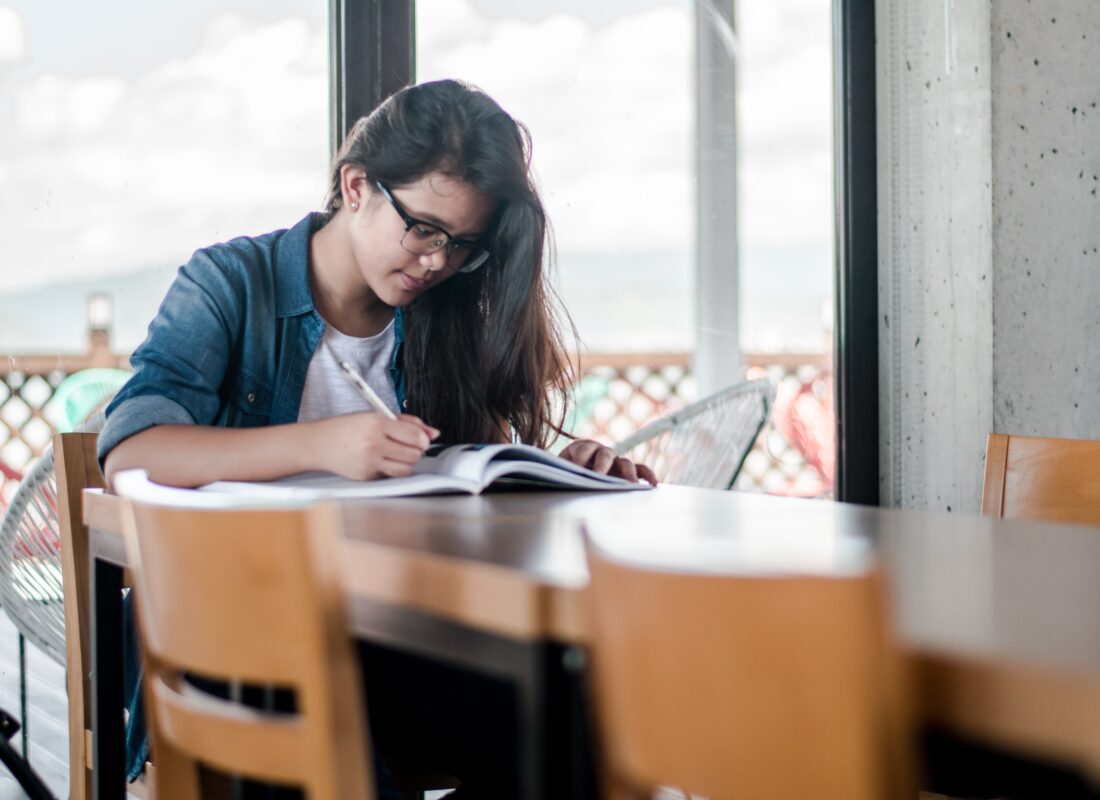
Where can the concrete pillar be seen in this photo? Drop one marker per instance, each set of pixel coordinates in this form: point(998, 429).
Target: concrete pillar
point(935, 274)
point(1046, 217)
point(989, 278)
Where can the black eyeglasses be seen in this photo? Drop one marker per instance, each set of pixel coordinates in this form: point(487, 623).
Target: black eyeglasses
point(423, 238)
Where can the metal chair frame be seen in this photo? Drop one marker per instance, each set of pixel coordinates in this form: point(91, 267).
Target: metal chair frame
point(666, 443)
point(31, 591)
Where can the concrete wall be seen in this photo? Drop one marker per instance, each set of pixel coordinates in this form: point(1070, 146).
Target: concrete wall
point(1046, 217)
point(935, 283)
point(989, 279)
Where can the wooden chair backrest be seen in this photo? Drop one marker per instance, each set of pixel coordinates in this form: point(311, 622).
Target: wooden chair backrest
point(253, 597)
point(746, 686)
point(76, 469)
point(1031, 477)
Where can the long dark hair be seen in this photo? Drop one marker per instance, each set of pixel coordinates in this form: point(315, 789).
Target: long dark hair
point(483, 350)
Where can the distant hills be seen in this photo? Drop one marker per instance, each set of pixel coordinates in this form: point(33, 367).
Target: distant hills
point(54, 318)
point(619, 301)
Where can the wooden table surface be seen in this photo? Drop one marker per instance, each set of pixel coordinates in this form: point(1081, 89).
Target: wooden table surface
point(998, 616)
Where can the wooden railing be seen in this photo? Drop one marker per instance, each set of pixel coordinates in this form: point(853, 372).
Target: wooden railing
point(616, 394)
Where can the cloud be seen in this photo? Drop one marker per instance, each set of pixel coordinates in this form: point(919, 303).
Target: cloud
point(611, 110)
point(109, 174)
point(11, 35)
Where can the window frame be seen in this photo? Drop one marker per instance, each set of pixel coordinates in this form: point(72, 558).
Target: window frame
point(373, 54)
point(855, 346)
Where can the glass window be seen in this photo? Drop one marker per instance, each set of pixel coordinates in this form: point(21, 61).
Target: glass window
point(142, 132)
point(785, 205)
point(785, 166)
point(606, 90)
point(134, 133)
point(613, 93)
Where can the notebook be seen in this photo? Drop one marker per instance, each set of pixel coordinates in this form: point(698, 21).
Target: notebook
point(454, 469)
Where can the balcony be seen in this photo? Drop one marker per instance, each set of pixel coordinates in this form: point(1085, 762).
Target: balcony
point(616, 393)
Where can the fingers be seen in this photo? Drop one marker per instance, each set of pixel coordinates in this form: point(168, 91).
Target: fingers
point(409, 431)
point(602, 460)
point(581, 451)
point(395, 469)
point(646, 474)
point(433, 433)
point(599, 458)
point(624, 468)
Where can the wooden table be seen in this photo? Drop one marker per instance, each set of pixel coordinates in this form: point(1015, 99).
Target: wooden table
point(998, 616)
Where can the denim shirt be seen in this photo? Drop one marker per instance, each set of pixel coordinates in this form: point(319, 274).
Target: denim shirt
point(230, 346)
point(232, 341)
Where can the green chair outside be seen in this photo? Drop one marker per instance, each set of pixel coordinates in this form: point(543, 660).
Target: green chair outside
point(83, 393)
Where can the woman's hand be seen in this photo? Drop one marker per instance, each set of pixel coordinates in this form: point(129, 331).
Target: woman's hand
point(599, 458)
point(367, 445)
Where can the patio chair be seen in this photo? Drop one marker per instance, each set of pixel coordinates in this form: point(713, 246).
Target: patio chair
point(746, 684)
point(31, 582)
point(30, 556)
point(268, 610)
point(704, 444)
point(1032, 477)
point(83, 393)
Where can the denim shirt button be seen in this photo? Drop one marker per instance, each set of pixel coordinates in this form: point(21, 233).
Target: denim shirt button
point(252, 397)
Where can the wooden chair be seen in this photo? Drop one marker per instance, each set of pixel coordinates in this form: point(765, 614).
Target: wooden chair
point(1031, 477)
point(252, 597)
point(746, 686)
point(76, 469)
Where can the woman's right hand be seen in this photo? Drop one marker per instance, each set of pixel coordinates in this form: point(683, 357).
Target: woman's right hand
point(367, 445)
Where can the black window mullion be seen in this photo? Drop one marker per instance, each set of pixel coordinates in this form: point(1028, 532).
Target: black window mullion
point(856, 345)
point(372, 55)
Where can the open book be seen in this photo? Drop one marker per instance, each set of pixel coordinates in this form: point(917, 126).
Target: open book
point(457, 469)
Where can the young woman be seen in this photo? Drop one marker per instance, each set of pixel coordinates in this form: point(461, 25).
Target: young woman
point(426, 272)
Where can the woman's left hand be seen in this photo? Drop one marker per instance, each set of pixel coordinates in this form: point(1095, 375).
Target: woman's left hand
point(599, 458)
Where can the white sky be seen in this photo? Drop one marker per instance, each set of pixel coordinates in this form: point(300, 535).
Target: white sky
point(134, 160)
point(107, 172)
point(135, 132)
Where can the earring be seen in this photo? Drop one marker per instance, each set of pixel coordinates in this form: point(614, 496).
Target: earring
point(354, 206)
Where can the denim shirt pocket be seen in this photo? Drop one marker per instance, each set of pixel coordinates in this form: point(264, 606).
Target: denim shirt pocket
point(248, 401)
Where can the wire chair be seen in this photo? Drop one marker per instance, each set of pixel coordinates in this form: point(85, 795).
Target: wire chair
point(31, 590)
point(705, 443)
point(30, 556)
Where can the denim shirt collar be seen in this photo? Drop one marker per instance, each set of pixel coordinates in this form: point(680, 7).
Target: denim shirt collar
point(292, 293)
point(293, 296)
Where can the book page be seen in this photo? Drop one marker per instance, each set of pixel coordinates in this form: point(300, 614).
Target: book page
point(326, 486)
point(487, 463)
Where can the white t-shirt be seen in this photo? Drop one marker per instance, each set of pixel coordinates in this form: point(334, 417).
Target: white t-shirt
point(328, 393)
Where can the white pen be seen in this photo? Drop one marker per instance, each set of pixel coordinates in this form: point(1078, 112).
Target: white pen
point(364, 388)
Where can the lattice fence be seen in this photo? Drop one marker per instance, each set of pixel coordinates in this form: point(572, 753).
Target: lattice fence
point(617, 393)
point(29, 413)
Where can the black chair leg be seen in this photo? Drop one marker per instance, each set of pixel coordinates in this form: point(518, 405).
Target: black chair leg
point(17, 765)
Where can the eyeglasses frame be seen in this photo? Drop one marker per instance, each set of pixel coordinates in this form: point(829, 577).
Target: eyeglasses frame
point(451, 243)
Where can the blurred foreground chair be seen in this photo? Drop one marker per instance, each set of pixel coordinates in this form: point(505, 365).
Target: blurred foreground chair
point(268, 610)
point(1030, 477)
point(748, 686)
point(704, 444)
